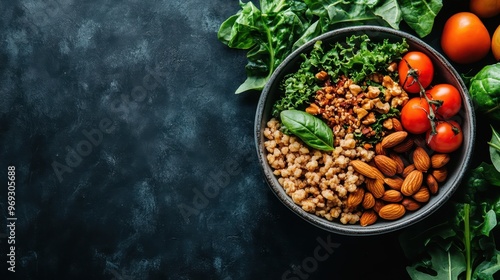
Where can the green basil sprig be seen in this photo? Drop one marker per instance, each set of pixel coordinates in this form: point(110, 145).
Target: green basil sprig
point(313, 131)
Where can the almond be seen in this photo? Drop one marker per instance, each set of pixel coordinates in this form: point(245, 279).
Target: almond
point(412, 183)
point(366, 170)
point(421, 159)
point(386, 165)
point(394, 139)
point(422, 195)
point(378, 205)
point(392, 196)
point(368, 218)
point(379, 150)
point(410, 204)
point(368, 201)
point(376, 187)
point(408, 169)
point(440, 174)
point(396, 125)
point(394, 183)
point(432, 184)
point(439, 160)
point(404, 146)
point(355, 198)
point(399, 161)
point(392, 211)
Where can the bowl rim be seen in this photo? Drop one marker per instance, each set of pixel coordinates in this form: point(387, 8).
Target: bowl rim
point(384, 226)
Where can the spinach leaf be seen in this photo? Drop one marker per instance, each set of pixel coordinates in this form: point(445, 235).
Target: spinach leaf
point(313, 131)
point(484, 89)
point(332, 14)
point(272, 32)
point(268, 33)
point(495, 148)
point(420, 14)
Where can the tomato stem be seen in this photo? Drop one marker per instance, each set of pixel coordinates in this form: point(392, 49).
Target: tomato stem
point(412, 72)
point(455, 129)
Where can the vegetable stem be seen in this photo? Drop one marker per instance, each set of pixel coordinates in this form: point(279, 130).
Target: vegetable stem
point(430, 115)
point(271, 51)
point(495, 146)
point(467, 240)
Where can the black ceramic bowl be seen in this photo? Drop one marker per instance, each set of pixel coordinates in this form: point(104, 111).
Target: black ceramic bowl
point(444, 71)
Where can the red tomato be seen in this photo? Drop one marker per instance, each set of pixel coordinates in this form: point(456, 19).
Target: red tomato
point(414, 116)
point(450, 97)
point(465, 39)
point(423, 66)
point(447, 139)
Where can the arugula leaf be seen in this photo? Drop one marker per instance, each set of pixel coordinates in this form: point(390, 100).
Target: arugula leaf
point(313, 131)
point(488, 268)
point(443, 265)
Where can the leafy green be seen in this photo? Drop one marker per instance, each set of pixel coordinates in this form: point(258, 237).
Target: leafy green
point(356, 58)
point(272, 32)
point(313, 131)
point(484, 90)
point(461, 244)
point(420, 15)
point(443, 264)
point(495, 148)
point(268, 33)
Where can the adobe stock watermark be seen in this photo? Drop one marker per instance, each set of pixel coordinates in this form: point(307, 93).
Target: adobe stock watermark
point(310, 264)
point(92, 138)
point(216, 180)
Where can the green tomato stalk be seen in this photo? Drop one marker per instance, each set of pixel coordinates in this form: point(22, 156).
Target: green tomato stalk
point(412, 72)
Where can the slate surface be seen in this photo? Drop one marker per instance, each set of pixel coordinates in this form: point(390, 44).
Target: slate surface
point(117, 116)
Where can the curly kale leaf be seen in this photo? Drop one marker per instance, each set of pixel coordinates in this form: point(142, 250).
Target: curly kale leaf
point(356, 58)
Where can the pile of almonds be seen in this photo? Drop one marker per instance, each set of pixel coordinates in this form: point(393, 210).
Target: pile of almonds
point(402, 177)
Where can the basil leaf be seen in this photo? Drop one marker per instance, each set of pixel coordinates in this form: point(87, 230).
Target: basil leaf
point(313, 131)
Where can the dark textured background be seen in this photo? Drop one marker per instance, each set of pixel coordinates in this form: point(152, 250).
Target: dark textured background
point(154, 76)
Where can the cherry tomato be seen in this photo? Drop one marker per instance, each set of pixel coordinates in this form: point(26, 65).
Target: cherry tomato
point(414, 116)
point(465, 39)
point(485, 8)
point(450, 98)
point(423, 66)
point(447, 139)
point(495, 43)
